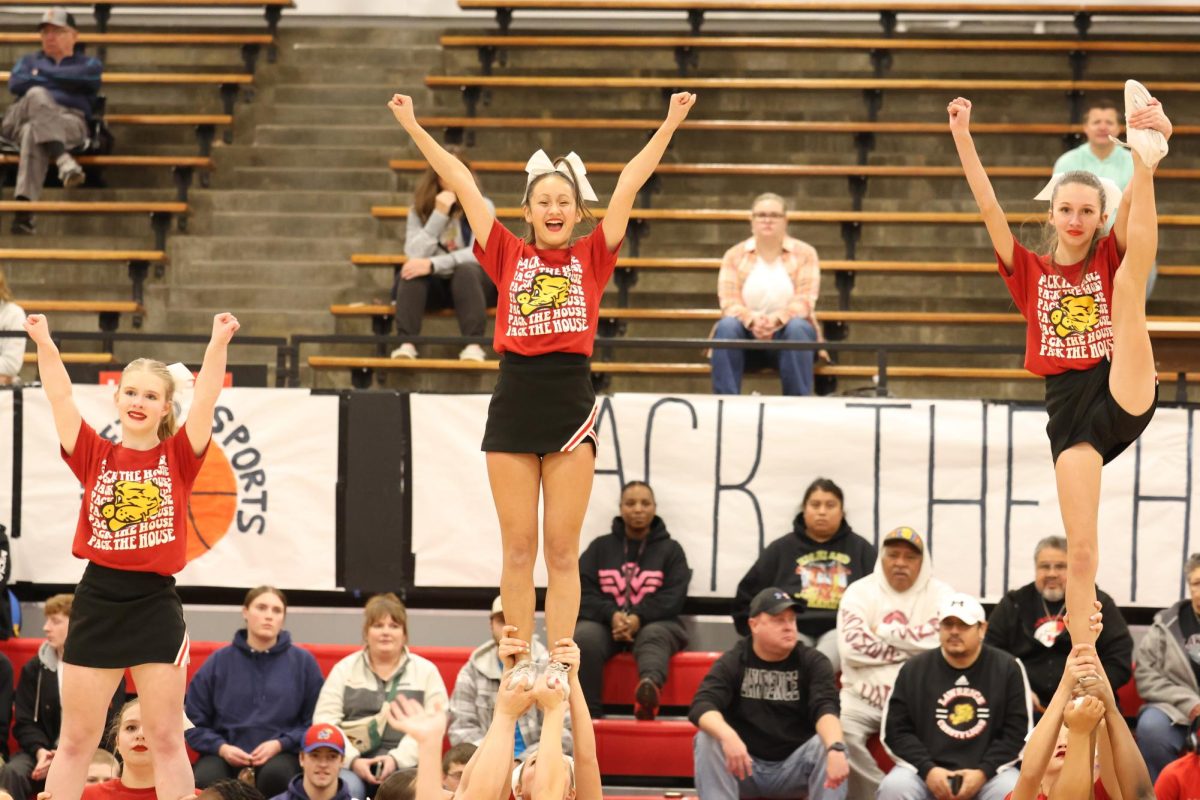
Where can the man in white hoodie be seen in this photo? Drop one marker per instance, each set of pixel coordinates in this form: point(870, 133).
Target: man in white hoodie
point(884, 619)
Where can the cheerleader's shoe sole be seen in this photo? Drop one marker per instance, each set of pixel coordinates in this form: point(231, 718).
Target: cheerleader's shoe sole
point(1150, 145)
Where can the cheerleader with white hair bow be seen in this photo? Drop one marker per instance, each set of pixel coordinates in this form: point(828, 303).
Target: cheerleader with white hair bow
point(544, 405)
point(132, 530)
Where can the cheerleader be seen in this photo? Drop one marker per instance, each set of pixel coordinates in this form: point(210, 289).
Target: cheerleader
point(540, 435)
point(1084, 302)
point(132, 532)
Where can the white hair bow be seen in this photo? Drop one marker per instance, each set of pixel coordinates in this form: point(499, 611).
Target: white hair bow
point(1112, 192)
point(540, 164)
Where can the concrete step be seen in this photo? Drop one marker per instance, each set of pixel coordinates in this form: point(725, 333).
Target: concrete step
point(349, 179)
point(281, 249)
point(299, 156)
point(247, 200)
point(291, 224)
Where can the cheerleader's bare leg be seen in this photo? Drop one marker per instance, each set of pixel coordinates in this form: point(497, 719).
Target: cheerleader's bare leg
point(516, 483)
point(161, 688)
point(1077, 473)
point(567, 482)
point(86, 695)
point(1131, 379)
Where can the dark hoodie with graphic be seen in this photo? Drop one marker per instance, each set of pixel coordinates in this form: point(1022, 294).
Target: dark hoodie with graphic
point(647, 578)
point(815, 572)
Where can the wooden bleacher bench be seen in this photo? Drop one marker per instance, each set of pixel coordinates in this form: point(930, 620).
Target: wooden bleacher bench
point(108, 311)
point(160, 213)
point(75, 358)
point(205, 124)
point(181, 166)
point(832, 315)
point(787, 170)
point(740, 215)
point(760, 126)
point(597, 82)
point(819, 43)
point(929, 6)
point(391, 260)
point(89, 37)
point(170, 78)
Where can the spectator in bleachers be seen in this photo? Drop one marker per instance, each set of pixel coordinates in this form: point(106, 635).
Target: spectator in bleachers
point(1168, 675)
point(768, 714)
point(321, 753)
point(12, 348)
point(1103, 158)
point(767, 288)
point(453, 763)
point(104, 767)
point(441, 270)
point(884, 619)
point(634, 583)
point(1028, 623)
point(815, 563)
point(38, 707)
point(1180, 780)
point(251, 701)
point(56, 88)
point(473, 702)
point(362, 685)
point(136, 781)
point(957, 713)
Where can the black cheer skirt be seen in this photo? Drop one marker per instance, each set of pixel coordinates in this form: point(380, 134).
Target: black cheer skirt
point(1082, 409)
point(542, 404)
point(122, 618)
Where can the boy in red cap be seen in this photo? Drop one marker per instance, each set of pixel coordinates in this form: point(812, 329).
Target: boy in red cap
point(320, 760)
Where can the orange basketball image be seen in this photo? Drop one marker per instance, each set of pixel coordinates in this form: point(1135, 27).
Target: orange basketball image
point(213, 504)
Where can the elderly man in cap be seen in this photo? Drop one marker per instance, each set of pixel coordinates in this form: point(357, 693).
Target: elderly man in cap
point(958, 716)
point(473, 701)
point(56, 89)
point(768, 714)
point(884, 619)
point(1029, 624)
point(320, 761)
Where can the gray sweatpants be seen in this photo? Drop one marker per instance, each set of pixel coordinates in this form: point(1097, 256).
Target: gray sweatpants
point(34, 121)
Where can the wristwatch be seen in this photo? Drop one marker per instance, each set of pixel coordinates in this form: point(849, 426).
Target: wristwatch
point(836, 747)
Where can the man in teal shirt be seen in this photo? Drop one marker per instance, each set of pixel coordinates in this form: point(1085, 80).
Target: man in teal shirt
point(1101, 157)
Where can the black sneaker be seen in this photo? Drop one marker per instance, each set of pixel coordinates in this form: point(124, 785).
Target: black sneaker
point(22, 224)
point(646, 700)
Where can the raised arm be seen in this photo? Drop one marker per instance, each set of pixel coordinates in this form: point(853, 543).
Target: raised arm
point(55, 382)
point(488, 774)
point(639, 170)
point(981, 187)
point(1082, 715)
point(457, 177)
point(209, 382)
point(550, 782)
point(426, 727)
point(1133, 779)
point(587, 765)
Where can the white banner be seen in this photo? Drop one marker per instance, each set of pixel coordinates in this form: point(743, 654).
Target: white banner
point(729, 474)
point(6, 448)
point(262, 510)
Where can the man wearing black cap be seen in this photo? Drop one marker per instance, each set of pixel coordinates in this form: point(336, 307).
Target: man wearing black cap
point(56, 89)
point(768, 714)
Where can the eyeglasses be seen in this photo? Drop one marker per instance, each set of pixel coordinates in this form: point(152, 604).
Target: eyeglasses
point(764, 216)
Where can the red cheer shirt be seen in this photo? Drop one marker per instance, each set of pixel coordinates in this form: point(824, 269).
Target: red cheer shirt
point(1179, 780)
point(1068, 323)
point(549, 300)
point(1100, 793)
point(135, 502)
point(115, 790)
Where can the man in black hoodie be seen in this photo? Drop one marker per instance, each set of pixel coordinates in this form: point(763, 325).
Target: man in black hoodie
point(38, 706)
point(634, 582)
point(958, 716)
point(1028, 623)
point(814, 563)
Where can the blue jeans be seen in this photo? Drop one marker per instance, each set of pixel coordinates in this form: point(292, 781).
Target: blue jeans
point(1159, 739)
point(904, 784)
point(354, 784)
point(795, 366)
point(800, 775)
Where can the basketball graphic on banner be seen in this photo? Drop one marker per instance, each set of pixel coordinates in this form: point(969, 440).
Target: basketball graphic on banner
point(213, 505)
